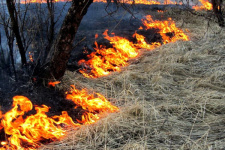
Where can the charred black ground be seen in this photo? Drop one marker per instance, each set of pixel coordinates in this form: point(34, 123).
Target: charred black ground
point(97, 20)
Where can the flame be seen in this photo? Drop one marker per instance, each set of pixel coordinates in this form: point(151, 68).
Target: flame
point(25, 131)
point(31, 56)
point(205, 5)
point(96, 36)
point(146, 2)
point(90, 102)
point(53, 83)
point(160, 11)
point(141, 43)
point(105, 60)
point(99, 1)
point(167, 29)
point(41, 1)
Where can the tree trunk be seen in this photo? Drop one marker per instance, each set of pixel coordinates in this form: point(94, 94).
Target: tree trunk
point(56, 62)
point(51, 29)
point(218, 12)
point(15, 28)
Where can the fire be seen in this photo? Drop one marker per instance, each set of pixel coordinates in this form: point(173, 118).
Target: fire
point(31, 56)
point(105, 60)
point(53, 83)
point(167, 29)
point(141, 43)
point(41, 1)
point(25, 131)
point(146, 2)
point(94, 104)
point(99, 1)
point(160, 11)
point(205, 5)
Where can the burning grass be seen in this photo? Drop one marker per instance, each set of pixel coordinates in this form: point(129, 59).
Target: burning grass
point(170, 98)
point(204, 4)
point(105, 60)
point(29, 131)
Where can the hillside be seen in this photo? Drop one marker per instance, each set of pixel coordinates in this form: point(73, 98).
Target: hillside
point(169, 98)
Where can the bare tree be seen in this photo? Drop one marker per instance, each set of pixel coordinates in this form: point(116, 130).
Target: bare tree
point(9, 34)
point(52, 61)
point(54, 66)
point(15, 27)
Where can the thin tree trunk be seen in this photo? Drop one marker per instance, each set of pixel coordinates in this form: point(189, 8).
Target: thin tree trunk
point(10, 43)
point(60, 52)
point(218, 12)
point(15, 28)
point(2, 56)
point(51, 30)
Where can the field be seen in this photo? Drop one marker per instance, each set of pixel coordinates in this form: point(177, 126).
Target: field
point(169, 98)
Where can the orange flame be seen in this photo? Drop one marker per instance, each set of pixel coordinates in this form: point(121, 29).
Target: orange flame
point(41, 1)
point(90, 102)
point(205, 5)
point(31, 56)
point(141, 43)
point(160, 11)
point(53, 83)
point(28, 132)
point(96, 36)
point(106, 60)
point(165, 28)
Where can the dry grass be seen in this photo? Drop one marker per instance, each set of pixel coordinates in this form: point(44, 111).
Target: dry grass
point(169, 98)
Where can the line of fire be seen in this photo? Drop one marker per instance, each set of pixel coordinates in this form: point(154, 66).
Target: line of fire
point(26, 124)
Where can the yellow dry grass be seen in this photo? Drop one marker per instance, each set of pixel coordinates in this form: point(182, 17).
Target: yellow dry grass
point(169, 98)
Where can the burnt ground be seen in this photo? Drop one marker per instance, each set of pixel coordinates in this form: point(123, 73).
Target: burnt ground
point(39, 94)
point(176, 101)
point(97, 20)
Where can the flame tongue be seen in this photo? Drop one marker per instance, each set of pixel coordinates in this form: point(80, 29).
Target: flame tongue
point(32, 129)
point(205, 5)
point(122, 45)
point(167, 29)
point(90, 102)
point(93, 105)
point(105, 60)
point(141, 43)
point(28, 132)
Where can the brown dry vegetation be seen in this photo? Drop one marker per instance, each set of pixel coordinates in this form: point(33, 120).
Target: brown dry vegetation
point(169, 98)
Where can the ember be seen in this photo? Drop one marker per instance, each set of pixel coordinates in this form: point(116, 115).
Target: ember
point(31, 56)
point(53, 83)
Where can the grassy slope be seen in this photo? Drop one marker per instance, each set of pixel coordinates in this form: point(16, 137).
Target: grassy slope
point(170, 98)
